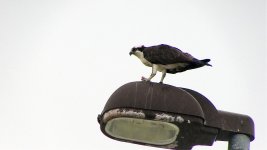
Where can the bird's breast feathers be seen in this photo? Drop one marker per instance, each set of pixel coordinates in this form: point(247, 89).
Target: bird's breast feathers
point(140, 55)
point(163, 68)
point(160, 67)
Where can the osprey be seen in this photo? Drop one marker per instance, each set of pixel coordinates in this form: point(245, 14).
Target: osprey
point(166, 59)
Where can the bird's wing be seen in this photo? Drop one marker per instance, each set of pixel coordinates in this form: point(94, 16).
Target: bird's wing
point(165, 54)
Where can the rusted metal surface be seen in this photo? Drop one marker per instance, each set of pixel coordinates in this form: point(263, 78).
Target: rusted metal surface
point(154, 96)
point(209, 110)
point(232, 123)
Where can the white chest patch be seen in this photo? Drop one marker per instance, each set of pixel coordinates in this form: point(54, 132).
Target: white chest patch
point(140, 55)
point(159, 67)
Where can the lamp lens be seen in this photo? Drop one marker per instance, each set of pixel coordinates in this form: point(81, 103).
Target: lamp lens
point(141, 130)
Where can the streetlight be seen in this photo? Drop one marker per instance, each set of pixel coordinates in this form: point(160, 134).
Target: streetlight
point(165, 116)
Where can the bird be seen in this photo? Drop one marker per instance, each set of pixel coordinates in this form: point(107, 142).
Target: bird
point(166, 59)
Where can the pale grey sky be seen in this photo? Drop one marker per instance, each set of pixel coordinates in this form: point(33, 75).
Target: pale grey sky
point(60, 60)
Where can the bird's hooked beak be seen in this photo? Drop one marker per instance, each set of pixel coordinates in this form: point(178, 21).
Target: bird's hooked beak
point(131, 52)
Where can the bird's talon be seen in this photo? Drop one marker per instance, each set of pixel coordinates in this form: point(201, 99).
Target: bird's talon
point(144, 79)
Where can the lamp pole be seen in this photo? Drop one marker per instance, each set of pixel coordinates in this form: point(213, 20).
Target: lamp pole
point(239, 142)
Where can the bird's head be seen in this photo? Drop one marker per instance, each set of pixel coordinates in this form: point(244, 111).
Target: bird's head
point(135, 50)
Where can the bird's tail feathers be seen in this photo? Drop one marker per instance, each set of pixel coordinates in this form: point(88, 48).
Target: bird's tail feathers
point(205, 61)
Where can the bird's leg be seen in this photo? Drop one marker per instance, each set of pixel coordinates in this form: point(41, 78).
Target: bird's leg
point(163, 76)
point(154, 72)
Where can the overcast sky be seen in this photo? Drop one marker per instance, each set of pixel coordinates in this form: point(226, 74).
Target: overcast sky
point(60, 61)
